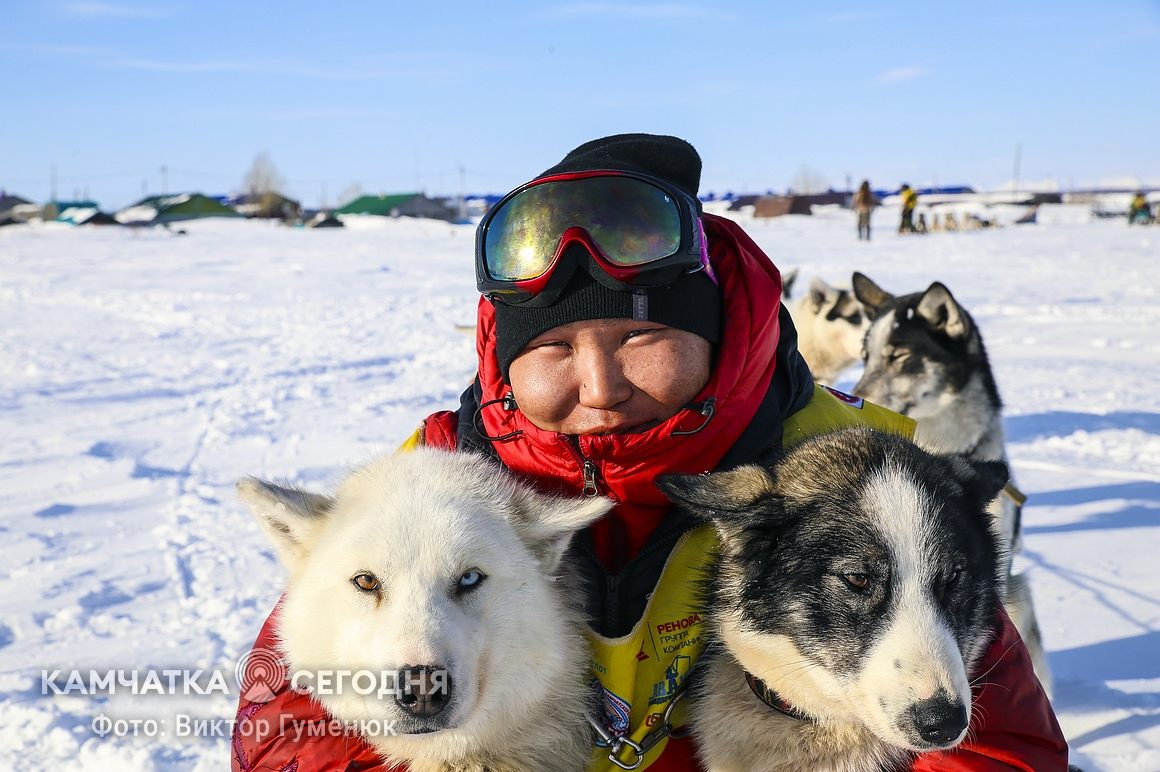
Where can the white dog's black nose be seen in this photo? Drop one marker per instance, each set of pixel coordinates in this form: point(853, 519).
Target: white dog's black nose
point(423, 690)
point(938, 720)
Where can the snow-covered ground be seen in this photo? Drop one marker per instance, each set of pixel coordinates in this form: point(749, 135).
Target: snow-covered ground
point(141, 373)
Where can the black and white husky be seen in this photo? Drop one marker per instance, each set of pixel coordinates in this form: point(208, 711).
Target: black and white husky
point(856, 587)
point(830, 326)
point(924, 357)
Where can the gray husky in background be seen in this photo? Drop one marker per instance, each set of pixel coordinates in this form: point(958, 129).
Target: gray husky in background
point(856, 587)
point(924, 357)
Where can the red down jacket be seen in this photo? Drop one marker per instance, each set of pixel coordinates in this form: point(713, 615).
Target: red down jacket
point(1012, 723)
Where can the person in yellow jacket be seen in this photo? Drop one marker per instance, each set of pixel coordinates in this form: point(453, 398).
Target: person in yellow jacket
point(1138, 210)
point(909, 202)
point(624, 334)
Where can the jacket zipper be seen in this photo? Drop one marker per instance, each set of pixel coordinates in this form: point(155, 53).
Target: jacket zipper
point(588, 469)
point(611, 600)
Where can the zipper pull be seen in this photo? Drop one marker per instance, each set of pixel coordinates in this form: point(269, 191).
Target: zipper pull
point(590, 488)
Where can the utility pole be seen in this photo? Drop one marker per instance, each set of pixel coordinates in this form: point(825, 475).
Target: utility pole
point(1018, 153)
point(164, 179)
point(462, 193)
point(52, 184)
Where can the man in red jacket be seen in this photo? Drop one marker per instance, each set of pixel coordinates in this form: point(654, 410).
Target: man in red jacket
point(623, 335)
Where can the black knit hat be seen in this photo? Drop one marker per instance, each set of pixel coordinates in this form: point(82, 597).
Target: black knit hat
point(691, 303)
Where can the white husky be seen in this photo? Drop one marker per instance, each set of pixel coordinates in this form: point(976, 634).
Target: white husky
point(830, 324)
point(440, 572)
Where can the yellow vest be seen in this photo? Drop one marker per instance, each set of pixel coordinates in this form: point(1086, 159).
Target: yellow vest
point(639, 674)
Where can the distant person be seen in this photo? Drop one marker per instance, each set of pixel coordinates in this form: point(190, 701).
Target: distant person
point(909, 202)
point(1139, 211)
point(864, 203)
point(921, 226)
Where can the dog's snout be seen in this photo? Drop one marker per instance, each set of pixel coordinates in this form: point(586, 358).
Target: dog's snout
point(423, 690)
point(938, 720)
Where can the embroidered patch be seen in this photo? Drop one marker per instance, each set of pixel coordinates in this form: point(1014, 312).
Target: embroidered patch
point(615, 712)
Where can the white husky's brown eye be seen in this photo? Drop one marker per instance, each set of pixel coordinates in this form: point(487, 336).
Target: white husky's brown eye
point(365, 582)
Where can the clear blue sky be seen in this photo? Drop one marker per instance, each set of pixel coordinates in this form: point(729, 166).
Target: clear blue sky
point(398, 96)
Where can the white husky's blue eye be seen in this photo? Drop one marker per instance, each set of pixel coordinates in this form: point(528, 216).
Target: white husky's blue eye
point(470, 579)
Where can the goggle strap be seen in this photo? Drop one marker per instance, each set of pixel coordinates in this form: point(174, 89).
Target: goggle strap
point(639, 307)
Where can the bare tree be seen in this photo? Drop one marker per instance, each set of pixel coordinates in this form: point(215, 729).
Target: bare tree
point(263, 183)
point(263, 176)
point(807, 181)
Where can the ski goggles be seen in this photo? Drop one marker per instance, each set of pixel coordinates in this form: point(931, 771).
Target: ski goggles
point(638, 230)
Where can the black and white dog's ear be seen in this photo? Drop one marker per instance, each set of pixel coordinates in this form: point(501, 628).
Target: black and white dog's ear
point(291, 518)
point(732, 500)
point(820, 292)
point(787, 280)
point(873, 298)
point(990, 477)
point(942, 312)
point(982, 479)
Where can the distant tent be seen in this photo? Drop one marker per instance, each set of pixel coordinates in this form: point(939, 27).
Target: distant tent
point(327, 221)
point(270, 205)
point(99, 218)
point(399, 205)
point(1029, 217)
point(776, 206)
point(9, 202)
point(15, 209)
point(158, 210)
point(736, 202)
point(75, 212)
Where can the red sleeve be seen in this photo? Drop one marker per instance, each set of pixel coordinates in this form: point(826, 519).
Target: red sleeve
point(1012, 724)
point(282, 730)
point(439, 430)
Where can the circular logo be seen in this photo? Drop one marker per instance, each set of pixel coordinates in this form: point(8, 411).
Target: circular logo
point(259, 673)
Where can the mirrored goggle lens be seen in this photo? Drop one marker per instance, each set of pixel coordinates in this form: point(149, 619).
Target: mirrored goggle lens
point(632, 222)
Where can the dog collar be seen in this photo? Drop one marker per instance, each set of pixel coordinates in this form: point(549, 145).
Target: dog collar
point(773, 699)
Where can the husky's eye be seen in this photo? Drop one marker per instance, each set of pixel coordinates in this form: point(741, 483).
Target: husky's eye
point(855, 319)
point(858, 582)
point(898, 357)
point(470, 580)
point(365, 582)
point(953, 578)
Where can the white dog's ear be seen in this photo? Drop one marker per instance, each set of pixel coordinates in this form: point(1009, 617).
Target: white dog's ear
point(820, 292)
point(547, 523)
point(942, 312)
point(874, 299)
point(291, 518)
